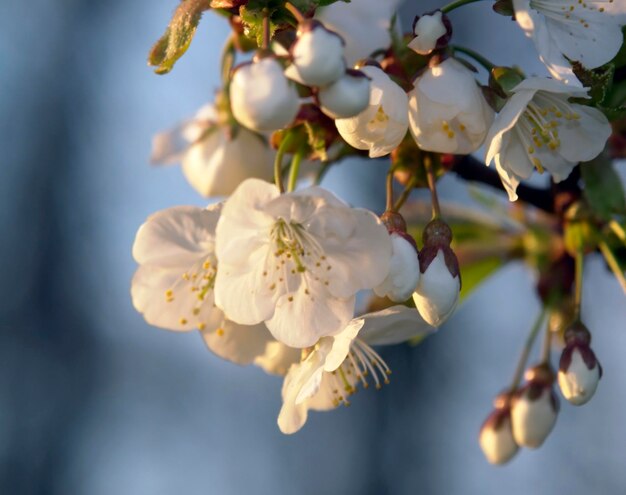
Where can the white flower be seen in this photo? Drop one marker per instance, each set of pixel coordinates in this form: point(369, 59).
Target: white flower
point(336, 366)
point(214, 160)
point(382, 126)
point(317, 56)
point(363, 24)
point(428, 29)
point(295, 261)
point(404, 272)
point(579, 374)
point(588, 32)
point(261, 97)
point(496, 435)
point(173, 286)
point(539, 128)
point(447, 110)
point(346, 97)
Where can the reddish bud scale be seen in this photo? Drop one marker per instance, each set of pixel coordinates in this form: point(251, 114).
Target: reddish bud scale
point(538, 379)
point(396, 224)
point(437, 236)
point(586, 353)
point(558, 279)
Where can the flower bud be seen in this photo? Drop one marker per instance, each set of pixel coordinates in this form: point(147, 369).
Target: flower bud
point(317, 56)
point(404, 269)
point(496, 435)
point(261, 97)
point(447, 110)
point(437, 292)
point(534, 408)
point(347, 97)
point(431, 31)
point(579, 369)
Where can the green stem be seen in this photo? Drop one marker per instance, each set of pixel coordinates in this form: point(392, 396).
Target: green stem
point(475, 55)
point(294, 170)
point(295, 12)
point(430, 175)
point(521, 364)
point(611, 260)
point(547, 344)
point(406, 193)
point(618, 230)
point(228, 60)
point(578, 283)
point(389, 205)
point(278, 161)
point(455, 5)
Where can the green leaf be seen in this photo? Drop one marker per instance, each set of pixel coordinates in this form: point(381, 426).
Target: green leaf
point(178, 35)
point(603, 187)
point(599, 81)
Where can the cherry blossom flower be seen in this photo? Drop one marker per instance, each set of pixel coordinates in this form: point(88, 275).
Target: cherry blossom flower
point(332, 371)
point(295, 261)
point(383, 124)
point(404, 271)
point(173, 286)
point(447, 110)
point(431, 31)
point(346, 97)
point(215, 158)
point(587, 32)
point(539, 128)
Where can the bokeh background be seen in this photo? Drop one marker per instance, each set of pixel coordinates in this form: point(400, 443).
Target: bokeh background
point(95, 402)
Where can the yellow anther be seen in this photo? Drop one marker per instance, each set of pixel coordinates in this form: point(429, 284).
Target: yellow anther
point(201, 326)
point(450, 134)
point(538, 165)
point(220, 332)
point(183, 321)
point(531, 150)
point(206, 265)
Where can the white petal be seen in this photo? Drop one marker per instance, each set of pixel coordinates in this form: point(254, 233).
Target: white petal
point(278, 358)
point(318, 57)
point(404, 271)
point(532, 420)
point(584, 139)
point(176, 237)
point(393, 325)
point(237, 343)
point(578, 383)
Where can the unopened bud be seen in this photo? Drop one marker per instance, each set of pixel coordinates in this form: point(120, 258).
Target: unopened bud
point(261, 97)
point(437, 292)
point(579, 369)
point(404, 270)
point(534, 408)
point(317, 56)
point(431, 31)
point(496, 434)
point(347, 97)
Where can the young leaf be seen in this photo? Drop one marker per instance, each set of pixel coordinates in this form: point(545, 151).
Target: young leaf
point(603, 187)
point(178, 35)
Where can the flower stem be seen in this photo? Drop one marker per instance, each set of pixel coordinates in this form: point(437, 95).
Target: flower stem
point(294, 170)
point(266, 30)
point(278, 161)
point(521, 364)
point(295, 12)
point(406, 193)
point(475, 55)
point(546, 346)
point(228, 60)
point(455, 5)
point(430, 175)
point(613, 264)
point(389, 205)
point(578, 283)
point(618, 230)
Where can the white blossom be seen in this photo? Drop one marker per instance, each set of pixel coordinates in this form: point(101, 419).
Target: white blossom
point(383, 124)
point(447, 110)
point(404, 271)
point(335, 367)
point(346, 97)
point(295, 261)
point(317, 56)
point(215, 160)
point(363, 24)
point(539, 128)
point(261, 96)
point(173, 286)
point(587, 31)
point(428, 29)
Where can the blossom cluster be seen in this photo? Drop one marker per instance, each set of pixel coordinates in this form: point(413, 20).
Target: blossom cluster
point(269, 275)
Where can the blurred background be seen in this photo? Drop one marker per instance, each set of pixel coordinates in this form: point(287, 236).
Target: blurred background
point(93, 401)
